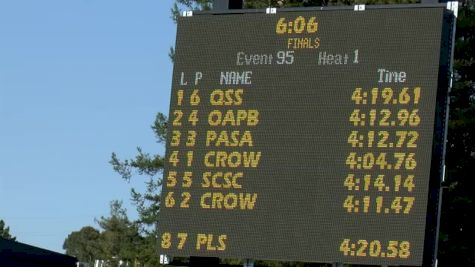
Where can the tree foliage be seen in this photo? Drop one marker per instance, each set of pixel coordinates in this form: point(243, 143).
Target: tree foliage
point(5, 231)
point(118, 239)
point(150, 167)
point(84, 244)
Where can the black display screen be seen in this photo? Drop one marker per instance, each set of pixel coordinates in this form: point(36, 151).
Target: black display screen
point(304, 135)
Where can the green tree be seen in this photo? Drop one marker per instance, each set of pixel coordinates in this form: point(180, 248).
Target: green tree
point(5, 232)
point(120, 238)
point(84, 244)
point(147, 203)
point(150, 166)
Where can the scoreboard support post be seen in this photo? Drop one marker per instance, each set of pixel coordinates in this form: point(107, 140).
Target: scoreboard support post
point(248, 263)
point(227, 4)
point(203, 261)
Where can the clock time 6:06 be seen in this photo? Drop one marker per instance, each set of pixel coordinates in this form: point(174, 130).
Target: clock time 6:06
point(298, 25)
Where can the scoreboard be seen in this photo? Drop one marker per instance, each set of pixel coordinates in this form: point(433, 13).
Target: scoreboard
point(308, 135)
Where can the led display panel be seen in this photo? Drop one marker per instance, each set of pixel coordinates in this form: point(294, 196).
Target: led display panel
point(303, 135)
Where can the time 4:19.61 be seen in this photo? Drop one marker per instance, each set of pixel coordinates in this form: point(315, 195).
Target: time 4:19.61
point(387, 96)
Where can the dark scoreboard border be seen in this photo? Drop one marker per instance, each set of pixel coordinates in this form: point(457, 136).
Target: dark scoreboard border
point(317, 8)
point(441, 112)
point(440, 139)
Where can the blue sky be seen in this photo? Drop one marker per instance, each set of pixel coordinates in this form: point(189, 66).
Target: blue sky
point(79, 79)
